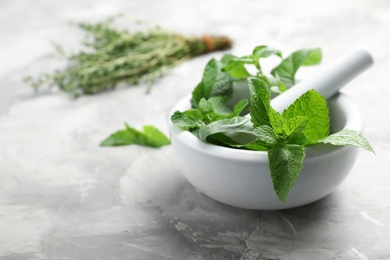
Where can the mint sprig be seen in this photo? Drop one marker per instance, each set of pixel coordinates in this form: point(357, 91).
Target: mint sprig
point(215, 82)
point(285, 163)
point(305, 122)
point(150, 136)
point(287, 69)
point(218, 76)
point(284, 135)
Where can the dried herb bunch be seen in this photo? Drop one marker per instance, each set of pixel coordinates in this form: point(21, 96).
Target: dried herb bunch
point(112, 56)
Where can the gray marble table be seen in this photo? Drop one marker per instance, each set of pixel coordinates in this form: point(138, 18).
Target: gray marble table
point(64, 197)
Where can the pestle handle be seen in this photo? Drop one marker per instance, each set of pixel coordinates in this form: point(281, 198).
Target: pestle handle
point(330, 80)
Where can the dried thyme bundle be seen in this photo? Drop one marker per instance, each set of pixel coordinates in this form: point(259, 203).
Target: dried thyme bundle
point(113, 56)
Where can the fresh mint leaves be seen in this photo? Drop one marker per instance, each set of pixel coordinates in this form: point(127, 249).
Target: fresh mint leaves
point(215, 82)
point(287, 69)
point(207, 111)
point(261, 111)
point(287, 134)
point(305, 122)
point(312, 106)
point(150, 136)
point(285, 163)
point(236, 124)
point(218, 76)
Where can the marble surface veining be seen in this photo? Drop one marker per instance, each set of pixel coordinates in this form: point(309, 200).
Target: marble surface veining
point(64, 197)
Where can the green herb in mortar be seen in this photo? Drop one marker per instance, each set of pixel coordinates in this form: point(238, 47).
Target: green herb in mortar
point(218, 76)
point(284, 136)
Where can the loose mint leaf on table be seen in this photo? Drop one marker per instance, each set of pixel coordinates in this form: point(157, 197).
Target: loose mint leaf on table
point(285, 164)
point(347, 137)
point(153, 137)
point(121, 137)
point(287, 69)
point(215, 82)
point(150, 136)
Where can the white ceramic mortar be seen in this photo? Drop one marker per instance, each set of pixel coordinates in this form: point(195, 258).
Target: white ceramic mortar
point(242, 178)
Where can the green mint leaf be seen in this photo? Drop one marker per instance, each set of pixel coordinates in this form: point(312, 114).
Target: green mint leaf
point(285, 164)
point(239, 107)
point(265, 136)
point(188, 119)
point(313, 58)
point(280, 86)
point(348, 137)
point(277, 121)
point(215, 82)
point(227, 58)
point(150, 136)
point(236, 70)
point(213, 109)
point(287, 69)
point(294, 124)
point(263, 51)
point(300, 139)
point(219, 105)
point(121, 137)
point(153, 137)
point(223, 140)
point(210, 74)
point(256, 146)
point(315, 108)
point(260, 102)
point(205, 106)
point(293, 129)
point(261, 111)
point(245, 59)
point(231, 125)
point(197, 94)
